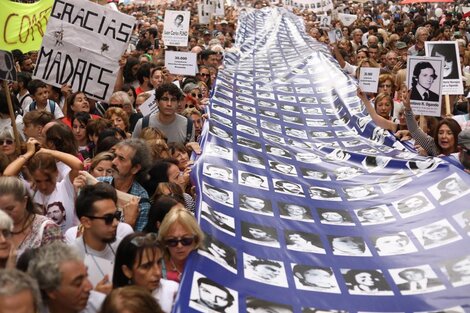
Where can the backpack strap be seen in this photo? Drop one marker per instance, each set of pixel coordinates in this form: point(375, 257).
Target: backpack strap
point(32, 106)
point(145, 121)
point(189, 129)
point(51, 106)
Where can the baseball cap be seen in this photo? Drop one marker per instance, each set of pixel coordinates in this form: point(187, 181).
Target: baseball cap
point(400, 45)
point(464, 138)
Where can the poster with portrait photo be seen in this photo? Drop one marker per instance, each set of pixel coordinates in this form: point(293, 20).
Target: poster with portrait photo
point(250, 159)
point(288, 187)
point(452, 83)
point(349, 245)
point(366, 282)
point(275, 127)
point(359, 192)
point(259, 234)
point(277, 151)
point(312, 111)
point(457, 270)
point(252, 180)
point(303, 242)
point(242, 141)
point(293, 211)
point(255, 204)
point(218, 172)
point(222, 109)
point(377, 214)
point(205, 290)
point(217, 194)
point(220, 133)
point(282, 168)
point(222, 120)
point(309, 173)
point(436, 234)
point(250, 100)
point(274, 138)
point(449, 189)
point(7, 66)
point(390, 183)
point(413, 205)
point(324, 193)
point(324, 21)
point(463, 219)
point(219, 151)
point(424, 78)
point(308, 157)
point(314, 278)
point(421, 167)
point(335, 217)
point(416, 280)
point(247, 130)
point(217, 251)
point(393, 244)
point(266, 271)
point(176, 28)
point(219, 220)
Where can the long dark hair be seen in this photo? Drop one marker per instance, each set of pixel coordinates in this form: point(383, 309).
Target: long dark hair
point(454, 127)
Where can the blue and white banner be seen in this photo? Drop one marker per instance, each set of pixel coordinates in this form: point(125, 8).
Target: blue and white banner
point(307, 205)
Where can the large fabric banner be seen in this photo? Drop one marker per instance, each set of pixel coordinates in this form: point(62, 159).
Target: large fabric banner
point(23, 25)
point(82, 46)
point(306, 205)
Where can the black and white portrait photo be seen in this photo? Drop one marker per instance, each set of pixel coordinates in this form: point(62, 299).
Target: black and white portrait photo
point(458, 270)
point(220, 151)
point(359, 192)
point(366, 282)
point(449, 52)
point(323, 193)
point(297, 133)
point(220, 133)
point(255, 204)
point(425, 79)
point(7, 66)
point(283, 168)
point(304, 242)
point(277, 151)
point(295, 211)
point(375, 163)
point(270, 114)
point(413, 205)
point(449, 189)
point(259, 234)
point(265, 271)
point(222, 109)
point(415, 280)
point(219, 195)
point(275, 127)
point(274, 138)
point(251, 160)
point(315, 278)
point(254, 305)
point(252, 180)
point(377, 214)
point(309, 173)
point(220, 253)
point(436, 234)
point(218, 219)
point(210, 296)
point(218, 172)
point(422, 167)
point(222, 120)
point(242, 141)
point(347, 172)
point(463, 219)
point(293, 119)
point(348, 245)
point(335, 217)
point(316, 122)
point(338, 155)
point(288, 187)
point(307, 157)
point(247, 130)
point(393, 244)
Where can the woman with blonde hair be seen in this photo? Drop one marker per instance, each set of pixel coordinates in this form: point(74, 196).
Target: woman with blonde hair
point(119, 118)
point(179, 235)
point(157, 142)
point(101, 165)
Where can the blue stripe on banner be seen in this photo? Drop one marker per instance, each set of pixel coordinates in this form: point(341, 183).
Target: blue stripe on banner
point(306, 204)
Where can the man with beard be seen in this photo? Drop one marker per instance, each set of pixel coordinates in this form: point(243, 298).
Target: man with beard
point(98, 214)
point(131, 164)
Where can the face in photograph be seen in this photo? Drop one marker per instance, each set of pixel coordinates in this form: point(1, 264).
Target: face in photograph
point(219, 195)
point(219, 151)
point(270, 114)
point(251, 160)
point(249, 143)
point(314, 174)
point(221, 120)
point(264, 270)
point(366, 281)
point(374, 215)
point(321, 134)
point(247, 129)
point(316, 122)
point(273, 138)
point(255, 204)
point(210, 295)
point(277, 151)
point(271, 126)
point(294, 211)
point(322, 193)
point(301, 241)
point(252, 180)
point(450, 189)
point(290, 108)
point(315, 278)
point(312, 111)
point(292, 119)
point(347, 172)
point(219, 252)
point(413, 205)
point(359, 192)
point(254, 305)
point(339, 217)
point(458, 271)
point(222, 109)
point(423, 166)
point(282, 168)
point(374, 163)
point(349, 245)
point(307, 157)
point(436, 234)
point(218, 172)
point(297, 133)
point(393, 244)
point(219, 132)
point(284, 186)
point(260, 234)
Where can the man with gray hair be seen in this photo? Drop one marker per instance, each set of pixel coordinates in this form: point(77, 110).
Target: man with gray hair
point(19, 293)
point(131, 164)
point(63, 280)
point(421, 35)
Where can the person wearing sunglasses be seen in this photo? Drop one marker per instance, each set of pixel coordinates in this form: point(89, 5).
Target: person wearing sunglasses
point(204, 75)
point(179, 235)
point(137, 263)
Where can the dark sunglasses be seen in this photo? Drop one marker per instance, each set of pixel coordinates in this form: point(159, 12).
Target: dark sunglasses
point(205, 75)
point(185, 241)
point(6, 141)
point(148, 239)
point(198, 95)
point(108, 218)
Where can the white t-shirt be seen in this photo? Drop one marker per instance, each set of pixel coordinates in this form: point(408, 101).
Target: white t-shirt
point(123, 230)
point(166, 294)
point(59, 205)
point(58, 114)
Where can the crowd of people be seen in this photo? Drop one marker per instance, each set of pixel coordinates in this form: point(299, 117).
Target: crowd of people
point(92, 190)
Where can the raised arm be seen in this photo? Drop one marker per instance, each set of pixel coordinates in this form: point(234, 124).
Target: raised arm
point(379, 120)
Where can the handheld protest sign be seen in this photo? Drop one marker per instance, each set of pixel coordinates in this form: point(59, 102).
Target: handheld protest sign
point(176, 28)
point(452, 83)
point(7, 66)
point(369, 79)
point(424, 78)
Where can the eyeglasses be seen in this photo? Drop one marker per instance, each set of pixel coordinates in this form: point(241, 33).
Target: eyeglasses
point(150, 238)
point(166, 99)
point(185, 241)
point(6, 142)
point(198, 95)
point(205, 75)
point(6, 233)
point(108, 218)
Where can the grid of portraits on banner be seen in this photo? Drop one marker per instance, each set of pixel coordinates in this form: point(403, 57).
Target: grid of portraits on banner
point(306, 204)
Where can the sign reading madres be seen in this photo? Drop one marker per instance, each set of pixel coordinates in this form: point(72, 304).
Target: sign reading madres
point(82, 46)
point(176, 28)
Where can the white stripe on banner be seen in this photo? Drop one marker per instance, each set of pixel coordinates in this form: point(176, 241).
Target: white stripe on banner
point(307, 205)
